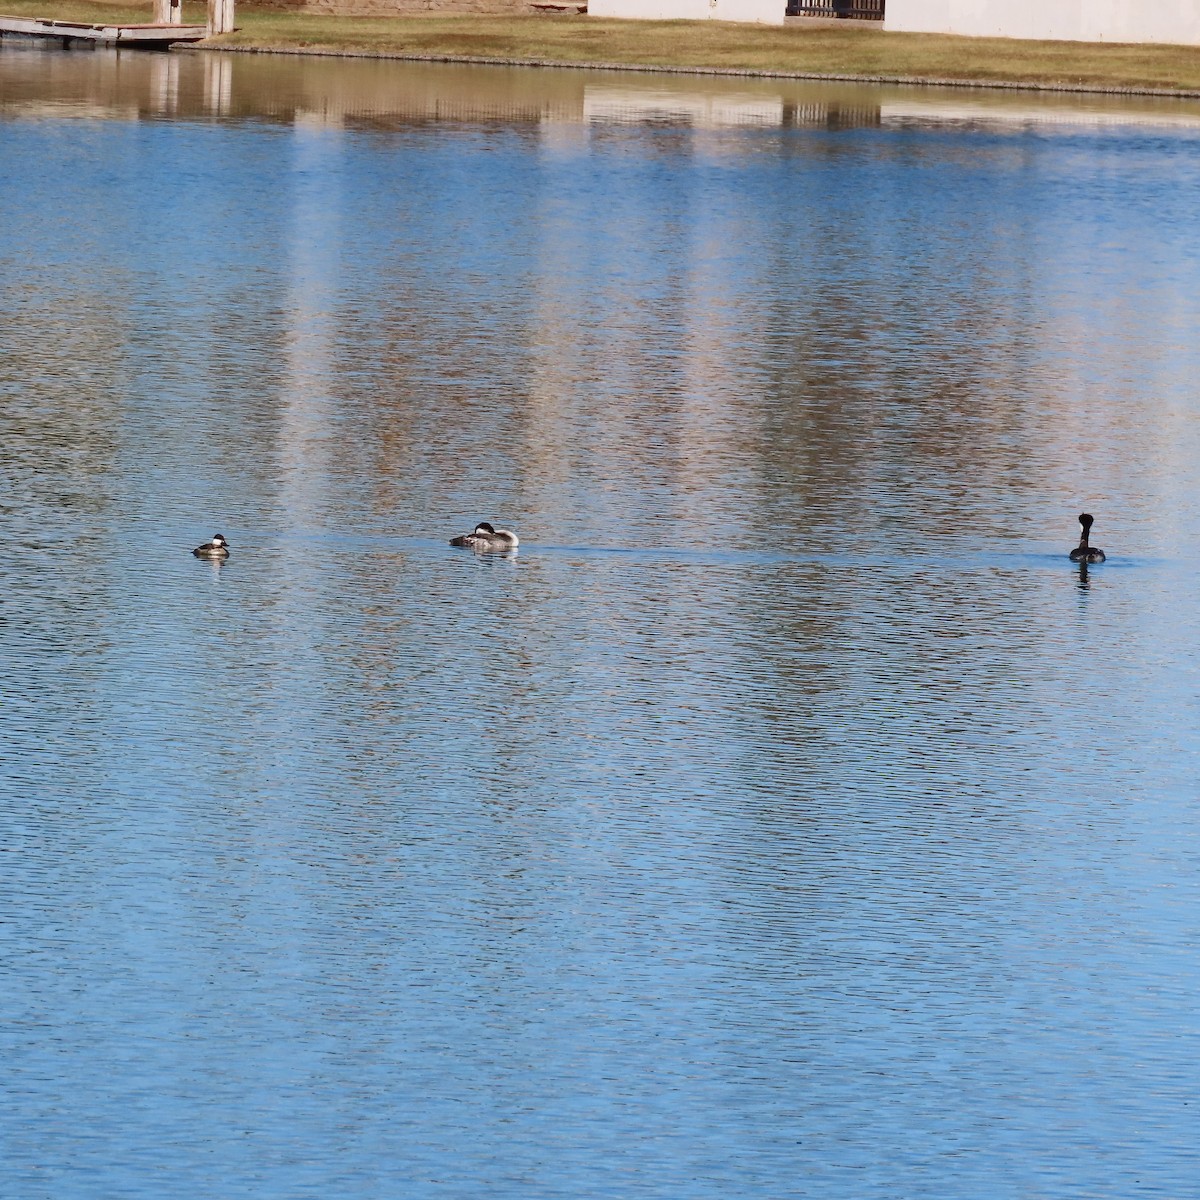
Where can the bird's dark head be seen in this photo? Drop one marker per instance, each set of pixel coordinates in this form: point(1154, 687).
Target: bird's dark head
point(1085, 519)
point(484, 527)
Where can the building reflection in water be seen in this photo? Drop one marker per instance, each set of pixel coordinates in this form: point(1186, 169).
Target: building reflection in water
point(382, 93)
point(762, 323)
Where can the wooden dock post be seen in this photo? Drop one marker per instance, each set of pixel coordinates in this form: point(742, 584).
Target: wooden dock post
point(168, 12)
point(220, 16)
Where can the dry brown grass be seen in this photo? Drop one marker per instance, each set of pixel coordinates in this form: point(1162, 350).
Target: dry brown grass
point(851, 48)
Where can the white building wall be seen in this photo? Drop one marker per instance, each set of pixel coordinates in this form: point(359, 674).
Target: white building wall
point(1174, 22)
point(760, 12)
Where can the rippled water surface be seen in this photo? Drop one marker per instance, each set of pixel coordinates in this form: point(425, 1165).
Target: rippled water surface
point(787, 818)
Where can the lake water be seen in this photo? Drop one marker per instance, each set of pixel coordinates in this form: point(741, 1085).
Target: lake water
point(787, 818)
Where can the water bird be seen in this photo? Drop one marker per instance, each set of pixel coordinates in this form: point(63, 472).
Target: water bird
point(486, 539)
point(217, 548)
point(1083, 553)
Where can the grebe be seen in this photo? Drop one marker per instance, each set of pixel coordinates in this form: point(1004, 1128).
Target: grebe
point(1083, 552)
point(486, 539)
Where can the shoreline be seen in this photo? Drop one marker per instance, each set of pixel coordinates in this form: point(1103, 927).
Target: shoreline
point(848, 52)
point(912, 81)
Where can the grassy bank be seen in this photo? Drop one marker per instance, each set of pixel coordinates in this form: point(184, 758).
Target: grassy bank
point(847, 48)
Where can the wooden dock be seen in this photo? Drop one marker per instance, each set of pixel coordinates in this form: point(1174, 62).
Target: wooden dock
point(149, 37)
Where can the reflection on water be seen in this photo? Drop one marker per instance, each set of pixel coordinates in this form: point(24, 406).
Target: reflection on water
point(132, 84)
point(788, 818)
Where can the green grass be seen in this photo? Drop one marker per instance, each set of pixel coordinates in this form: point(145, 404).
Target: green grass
point(848, 48)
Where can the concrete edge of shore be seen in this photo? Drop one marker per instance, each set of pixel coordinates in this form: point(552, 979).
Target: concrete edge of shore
point(733, 72)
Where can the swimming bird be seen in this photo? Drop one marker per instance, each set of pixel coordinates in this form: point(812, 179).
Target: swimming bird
point(1083, 552)
point(217, 548)
point(487, 540)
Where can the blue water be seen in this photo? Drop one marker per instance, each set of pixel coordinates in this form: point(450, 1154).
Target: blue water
point(786, 818)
